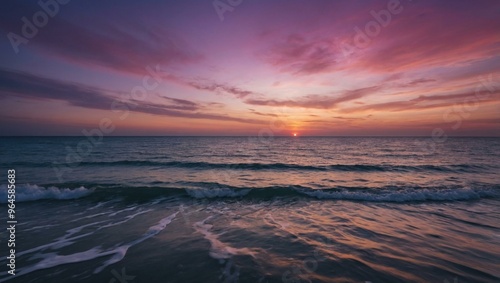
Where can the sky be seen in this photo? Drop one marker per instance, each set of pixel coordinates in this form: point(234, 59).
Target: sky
point(250, 67)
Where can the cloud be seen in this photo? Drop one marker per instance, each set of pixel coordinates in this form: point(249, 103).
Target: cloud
point(263, 114)
point(30, 86)
point(433, 35)
point(424, 102)
point(298, 55)
point(418, 82)
point(208, 85)
point(26, 85)
point(424, 35)
point(317, 101)
point(162, 110)
point(181, 104)
point(220, 88)
point(127, 47)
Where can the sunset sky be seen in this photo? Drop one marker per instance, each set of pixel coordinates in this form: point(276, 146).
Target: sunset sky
point(211, 68)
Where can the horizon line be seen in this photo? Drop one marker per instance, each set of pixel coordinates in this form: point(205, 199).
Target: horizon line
point(232, 136)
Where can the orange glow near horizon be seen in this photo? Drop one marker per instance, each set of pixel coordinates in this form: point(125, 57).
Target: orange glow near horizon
point(304, 69)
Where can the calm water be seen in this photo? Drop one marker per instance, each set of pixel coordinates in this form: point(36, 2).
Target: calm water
point(237, 209)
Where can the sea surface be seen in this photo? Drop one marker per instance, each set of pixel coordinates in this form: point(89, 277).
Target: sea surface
point(249, 209)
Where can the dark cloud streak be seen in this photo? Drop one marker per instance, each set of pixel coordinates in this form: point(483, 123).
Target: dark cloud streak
point(317, 101)
point(29, 86)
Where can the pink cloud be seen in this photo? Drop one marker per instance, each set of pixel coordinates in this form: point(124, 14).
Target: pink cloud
point(317, 101)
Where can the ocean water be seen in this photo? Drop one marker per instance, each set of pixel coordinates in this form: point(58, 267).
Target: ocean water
point(239, 209)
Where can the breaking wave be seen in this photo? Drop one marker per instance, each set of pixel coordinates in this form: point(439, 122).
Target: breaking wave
point(29, 192)
point(220, 191)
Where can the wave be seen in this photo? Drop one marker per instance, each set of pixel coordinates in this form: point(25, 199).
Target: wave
point(208, 191)
point(29, 192)
point(462, 168)
point(216, 193)
point(404, 195)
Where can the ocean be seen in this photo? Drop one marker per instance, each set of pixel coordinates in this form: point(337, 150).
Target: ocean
point(249, 209)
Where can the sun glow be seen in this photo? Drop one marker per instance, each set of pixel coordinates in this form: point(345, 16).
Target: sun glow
point(294, 134)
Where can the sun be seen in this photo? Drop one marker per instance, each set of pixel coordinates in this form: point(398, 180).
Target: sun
point(294, 134)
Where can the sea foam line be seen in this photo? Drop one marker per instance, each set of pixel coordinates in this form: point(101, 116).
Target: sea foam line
point(27, 192)
point(53, 259)
point(218, 250)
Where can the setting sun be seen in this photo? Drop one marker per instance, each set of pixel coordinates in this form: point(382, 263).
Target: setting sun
point(294, 134)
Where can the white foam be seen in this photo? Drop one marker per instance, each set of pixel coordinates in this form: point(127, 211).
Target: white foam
point(102, 203)
point(50, 260)
point(217, 192)
point(402, 195)
point(218, 250)
point(90, 216)
point(129, 217)
point(63, 241)
point(67, 239)
point(41, 227)
point(121, 251)
point(27, 192)
point(123, 210)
